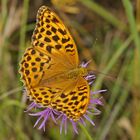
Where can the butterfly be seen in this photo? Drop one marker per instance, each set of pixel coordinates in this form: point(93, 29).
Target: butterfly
point(50, 68)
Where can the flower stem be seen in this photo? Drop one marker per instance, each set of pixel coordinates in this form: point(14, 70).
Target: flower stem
point(86, 132)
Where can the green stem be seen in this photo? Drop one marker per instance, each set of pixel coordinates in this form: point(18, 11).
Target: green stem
point(23, 26)
point(104, 13)
point(86, 132)
point(112, 62)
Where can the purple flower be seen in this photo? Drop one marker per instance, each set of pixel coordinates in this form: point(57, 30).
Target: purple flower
point(57, 116)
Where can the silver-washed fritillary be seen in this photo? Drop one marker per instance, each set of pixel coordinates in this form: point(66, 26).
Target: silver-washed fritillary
point(50, 68)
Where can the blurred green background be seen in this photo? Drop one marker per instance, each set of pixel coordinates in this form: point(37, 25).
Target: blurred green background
point(106, 32)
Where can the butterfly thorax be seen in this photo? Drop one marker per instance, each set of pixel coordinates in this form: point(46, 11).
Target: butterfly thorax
point(70, 75)
point(75, 73)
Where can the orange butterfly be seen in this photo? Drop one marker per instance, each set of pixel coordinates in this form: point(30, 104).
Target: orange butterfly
point(50, 68)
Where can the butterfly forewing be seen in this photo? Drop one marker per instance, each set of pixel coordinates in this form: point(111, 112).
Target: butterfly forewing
point(52, 38)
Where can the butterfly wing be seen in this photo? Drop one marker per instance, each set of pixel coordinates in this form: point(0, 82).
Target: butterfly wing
point(32, 67)
point(74, 100)
point(52, 38)
point(53, 52)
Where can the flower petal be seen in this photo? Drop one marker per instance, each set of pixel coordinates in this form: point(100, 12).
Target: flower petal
point(74, 126)
point(89, 119)
point(97, 92)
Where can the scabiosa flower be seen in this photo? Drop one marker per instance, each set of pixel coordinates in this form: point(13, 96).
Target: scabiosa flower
point(57, 116)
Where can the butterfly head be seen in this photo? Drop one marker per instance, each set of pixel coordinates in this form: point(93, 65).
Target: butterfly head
point(83, 71)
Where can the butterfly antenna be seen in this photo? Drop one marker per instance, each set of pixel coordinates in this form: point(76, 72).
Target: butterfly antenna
point(95, 72)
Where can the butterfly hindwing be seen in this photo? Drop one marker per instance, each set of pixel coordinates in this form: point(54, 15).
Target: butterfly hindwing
point(74, 100)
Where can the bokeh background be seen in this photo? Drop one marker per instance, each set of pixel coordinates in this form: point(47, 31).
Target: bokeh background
point(106, 32)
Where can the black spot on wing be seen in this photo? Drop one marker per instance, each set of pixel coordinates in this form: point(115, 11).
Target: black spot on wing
point(64, 40)
point(55, 20)
point(58, 47)
point(47, 39)
point(42, 30)
point(63, 32)
point(55, 38)
point(53, 29)
point(39, 36)
point(48, 33)
point(49, 49)
point(47, 20)
point(41, 44)
point(69, 46)
point(68, 50)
